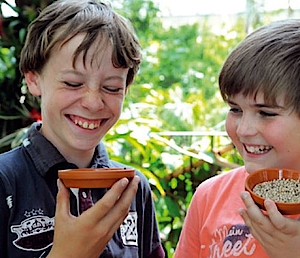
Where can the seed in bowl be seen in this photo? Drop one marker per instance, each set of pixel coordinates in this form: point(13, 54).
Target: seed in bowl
point(279, 190)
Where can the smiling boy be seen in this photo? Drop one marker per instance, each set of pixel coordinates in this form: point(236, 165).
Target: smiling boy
point(260, 82)
point(79, 57)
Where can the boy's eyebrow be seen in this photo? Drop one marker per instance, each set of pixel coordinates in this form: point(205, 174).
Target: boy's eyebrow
point(266, 106)
point(76, 72)
point(273, 104)
point(115, 77)
point(258, 105)
point(231, 102)
point(73, 71)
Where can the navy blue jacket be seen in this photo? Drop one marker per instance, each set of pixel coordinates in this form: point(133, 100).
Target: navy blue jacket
point(28, 189)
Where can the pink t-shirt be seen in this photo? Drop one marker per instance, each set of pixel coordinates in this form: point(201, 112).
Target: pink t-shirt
point(213, 227)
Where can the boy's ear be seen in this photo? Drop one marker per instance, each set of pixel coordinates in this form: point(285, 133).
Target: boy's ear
point(32, 81)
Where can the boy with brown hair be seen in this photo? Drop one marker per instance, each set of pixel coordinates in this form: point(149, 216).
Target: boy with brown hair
point(80, 57)
point(260, 82)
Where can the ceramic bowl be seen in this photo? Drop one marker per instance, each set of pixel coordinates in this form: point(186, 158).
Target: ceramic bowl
point(269, 174)
point(93, 177)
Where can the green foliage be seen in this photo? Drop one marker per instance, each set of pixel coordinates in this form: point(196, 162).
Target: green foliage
point(16, 105)
point(175, 90)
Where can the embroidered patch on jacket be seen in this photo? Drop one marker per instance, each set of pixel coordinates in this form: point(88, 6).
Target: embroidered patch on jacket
point(129, 229)
point(34, 233)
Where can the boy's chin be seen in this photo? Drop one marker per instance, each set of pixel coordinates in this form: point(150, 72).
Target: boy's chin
point(250, 168)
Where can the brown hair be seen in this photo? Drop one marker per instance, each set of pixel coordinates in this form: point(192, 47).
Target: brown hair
point(267, 61)
point(64, 19)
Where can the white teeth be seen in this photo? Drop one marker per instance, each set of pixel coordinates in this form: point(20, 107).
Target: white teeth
point(91, 126)
point(258, 149)
point(86, 125)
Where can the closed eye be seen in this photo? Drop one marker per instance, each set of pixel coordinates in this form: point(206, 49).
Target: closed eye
point(72, 84)
point(235, 110)
point(264, 113)
point(113, 89)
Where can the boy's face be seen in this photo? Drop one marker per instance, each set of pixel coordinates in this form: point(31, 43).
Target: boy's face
point(79, 105)
point(265, 136)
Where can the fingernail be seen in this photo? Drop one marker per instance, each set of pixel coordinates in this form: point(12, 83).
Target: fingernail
point(58, 184)
point(268, 203)
point(124, 182)
point(241, 211)
point(137, 178)
point(244, 195)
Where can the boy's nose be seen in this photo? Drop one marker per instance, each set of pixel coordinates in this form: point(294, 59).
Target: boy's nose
point(246, 127)
point(93, 100)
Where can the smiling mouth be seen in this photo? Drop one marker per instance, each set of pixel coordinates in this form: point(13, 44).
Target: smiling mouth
point(261, 149)
point(86, 124)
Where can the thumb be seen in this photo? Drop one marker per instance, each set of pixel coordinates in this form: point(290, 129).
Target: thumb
point(62, 199)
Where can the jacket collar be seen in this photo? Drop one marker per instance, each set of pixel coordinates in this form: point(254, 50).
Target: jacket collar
point(46, 156)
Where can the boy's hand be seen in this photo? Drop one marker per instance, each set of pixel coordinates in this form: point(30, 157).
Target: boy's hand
point(87, 235)
point(278, 235)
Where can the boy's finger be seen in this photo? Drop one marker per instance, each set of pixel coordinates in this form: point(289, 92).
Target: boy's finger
point(121, 208)
point(252, 208)
point(118, 198)
point(278, 220)
point(62, 199)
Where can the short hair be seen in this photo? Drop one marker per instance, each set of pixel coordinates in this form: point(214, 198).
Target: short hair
point(64, 19)
point(267, 61)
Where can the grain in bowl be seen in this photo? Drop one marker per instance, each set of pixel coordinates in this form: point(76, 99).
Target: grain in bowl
point(280, 185)
point(279, 190)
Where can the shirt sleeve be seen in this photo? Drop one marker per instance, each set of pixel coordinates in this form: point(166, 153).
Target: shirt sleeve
point(5, 200)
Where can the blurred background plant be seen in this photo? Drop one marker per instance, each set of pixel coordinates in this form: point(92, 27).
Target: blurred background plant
point(172, 127)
